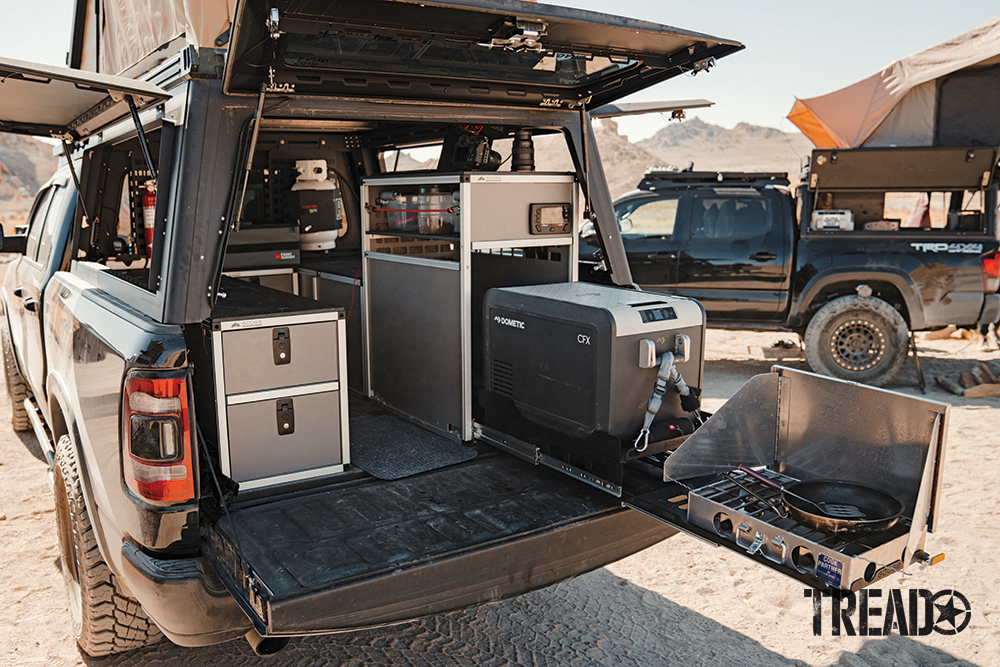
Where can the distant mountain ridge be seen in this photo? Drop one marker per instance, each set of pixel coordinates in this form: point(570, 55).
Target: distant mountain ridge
point(744, 148)
point(26, 163)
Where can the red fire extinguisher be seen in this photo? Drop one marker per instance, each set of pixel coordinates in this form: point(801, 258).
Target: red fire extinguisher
point(149, 214)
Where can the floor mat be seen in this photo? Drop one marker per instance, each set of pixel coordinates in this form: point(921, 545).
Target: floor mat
point(387, 447)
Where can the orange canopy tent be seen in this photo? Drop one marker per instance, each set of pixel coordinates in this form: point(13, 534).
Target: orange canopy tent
point(945, 95)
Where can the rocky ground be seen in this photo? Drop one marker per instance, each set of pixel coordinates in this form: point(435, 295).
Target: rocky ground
point(679, 603)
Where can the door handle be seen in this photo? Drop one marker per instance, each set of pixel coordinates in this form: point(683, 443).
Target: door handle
point(18, 291)
point(660, 256)
point(762, 256)
point(30, 304)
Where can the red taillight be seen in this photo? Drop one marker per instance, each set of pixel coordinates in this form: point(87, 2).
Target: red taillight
point(156, 437)
point(991, 273)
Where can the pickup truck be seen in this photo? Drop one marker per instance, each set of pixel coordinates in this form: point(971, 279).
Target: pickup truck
point(873, 245)
point(286, 389)
point(249, 346)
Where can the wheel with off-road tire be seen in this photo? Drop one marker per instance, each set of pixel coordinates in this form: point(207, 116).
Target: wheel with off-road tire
point(17, 388)
point(104, 620)
point(858, 338)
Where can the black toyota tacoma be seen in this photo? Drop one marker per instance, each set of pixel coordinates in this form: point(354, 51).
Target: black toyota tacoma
point(874, 244)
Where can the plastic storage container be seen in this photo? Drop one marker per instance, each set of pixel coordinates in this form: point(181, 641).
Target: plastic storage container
point(437, 211)
point(401, 210)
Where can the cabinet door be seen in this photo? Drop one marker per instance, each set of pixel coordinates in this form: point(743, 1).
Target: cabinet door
point(415, 334)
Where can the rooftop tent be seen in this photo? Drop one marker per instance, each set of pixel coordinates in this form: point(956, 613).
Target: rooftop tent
point(132, 29)
point(947, 95)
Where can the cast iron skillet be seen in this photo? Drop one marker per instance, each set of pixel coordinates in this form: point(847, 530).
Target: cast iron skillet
point(824, 504)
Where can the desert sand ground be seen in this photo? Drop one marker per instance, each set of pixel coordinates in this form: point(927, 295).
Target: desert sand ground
point(679, 603)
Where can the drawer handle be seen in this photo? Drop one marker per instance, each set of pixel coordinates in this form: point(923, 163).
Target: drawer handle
point(286, 416)
point(281, 344)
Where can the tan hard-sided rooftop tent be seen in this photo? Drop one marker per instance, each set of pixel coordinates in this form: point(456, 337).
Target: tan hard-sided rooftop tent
point(947, 95)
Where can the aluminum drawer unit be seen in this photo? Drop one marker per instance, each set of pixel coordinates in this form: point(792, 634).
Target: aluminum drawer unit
point(568, 354)
point(283, 413)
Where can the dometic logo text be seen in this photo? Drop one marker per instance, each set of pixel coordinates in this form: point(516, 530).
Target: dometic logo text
point(507, 322)
point(873, 612)
point(950, 248)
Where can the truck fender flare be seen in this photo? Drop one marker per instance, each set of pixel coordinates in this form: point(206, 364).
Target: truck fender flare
point(824, 279)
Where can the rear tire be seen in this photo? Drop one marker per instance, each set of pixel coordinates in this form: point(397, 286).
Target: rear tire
point(104, 620)
point(857, 338)
point(17, 388)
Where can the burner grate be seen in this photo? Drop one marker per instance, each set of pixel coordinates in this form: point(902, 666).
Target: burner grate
point(730, 495)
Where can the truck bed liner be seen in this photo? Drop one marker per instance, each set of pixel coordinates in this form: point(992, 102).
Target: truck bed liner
point(372, 551)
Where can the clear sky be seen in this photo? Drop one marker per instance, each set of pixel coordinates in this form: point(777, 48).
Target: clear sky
point(794, 49)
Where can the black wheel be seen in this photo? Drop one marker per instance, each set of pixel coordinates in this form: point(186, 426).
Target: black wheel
point(17, 388)
point(857, 338)
point(103, 619)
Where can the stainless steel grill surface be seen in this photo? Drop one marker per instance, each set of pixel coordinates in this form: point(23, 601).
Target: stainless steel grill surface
point(759, 527)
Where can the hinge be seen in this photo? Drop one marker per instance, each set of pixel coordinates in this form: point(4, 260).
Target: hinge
point(528, 39)
point(258, 595)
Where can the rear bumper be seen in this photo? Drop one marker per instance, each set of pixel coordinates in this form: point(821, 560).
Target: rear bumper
point(184, 597)
point(991, 309)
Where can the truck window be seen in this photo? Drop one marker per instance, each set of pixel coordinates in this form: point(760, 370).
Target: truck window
point(115, 181)
point(36, 221)
point(730, 217)
point(657, 217)
point(412, 159)
point(56, 214)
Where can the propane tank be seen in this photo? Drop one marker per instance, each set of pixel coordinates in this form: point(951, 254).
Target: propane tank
point(149, 214)
point(318, 205)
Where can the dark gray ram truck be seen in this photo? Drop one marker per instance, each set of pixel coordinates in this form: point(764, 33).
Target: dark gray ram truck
point(287, 387)
point(250, 343)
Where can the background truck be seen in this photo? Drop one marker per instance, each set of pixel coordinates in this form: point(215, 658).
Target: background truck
point(875, 244)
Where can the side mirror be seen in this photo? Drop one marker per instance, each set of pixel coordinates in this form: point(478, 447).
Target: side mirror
point(16, 243)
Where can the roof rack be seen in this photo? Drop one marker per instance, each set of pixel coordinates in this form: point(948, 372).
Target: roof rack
point(658, 177)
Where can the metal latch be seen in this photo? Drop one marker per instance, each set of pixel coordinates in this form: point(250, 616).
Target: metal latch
point(281, 346)
point(286, 416)
point(272, 22)
point(758, 542)
point(528, 39)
